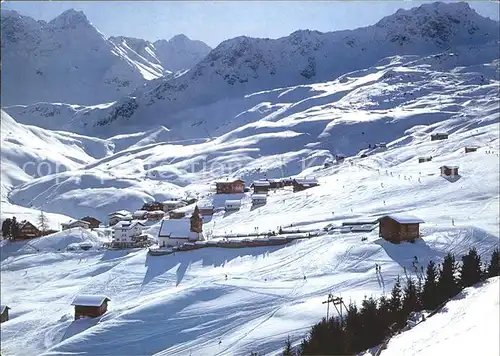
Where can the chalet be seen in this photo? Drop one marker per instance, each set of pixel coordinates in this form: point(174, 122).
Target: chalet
point(153, 206)
point(424, 159)
point(339, 158)
point(398, 228)
point(27, 231)
point(176, 214)
point(90, 306)
point(75, 223)
point(139, 214)
point(260, 186)
point(206, 210)
point(276, 183)
point(449, 171)
point(439, 136)
point(94, 223)
point(178, 231)
point(126, 233)
point(287, 182)
point(230, 186)
point(4, 316)
point(233, 205)
point(155, 215)
point(259, 199)
point(170, 205)
point(121, 215)
point(300, 184)
point(469, 149)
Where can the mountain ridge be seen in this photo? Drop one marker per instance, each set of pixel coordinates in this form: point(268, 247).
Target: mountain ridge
point(67, 60)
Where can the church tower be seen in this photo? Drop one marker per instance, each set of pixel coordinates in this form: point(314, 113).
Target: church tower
point(196, 221)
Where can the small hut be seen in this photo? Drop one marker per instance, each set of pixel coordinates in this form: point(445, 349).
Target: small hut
point(94, 223)
point(259, 199)
point(449, 171)
point(470, 149)
point(90, 306)
point(175, 214)
point(260, 186)
point(4, 313)
point(439, 136)
point(398, 228)
point(424, 159)
point(232, 205)
point(300, 184)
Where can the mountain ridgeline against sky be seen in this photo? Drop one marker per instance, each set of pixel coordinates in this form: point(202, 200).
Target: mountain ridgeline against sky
point(244, 65)
point(67, 60)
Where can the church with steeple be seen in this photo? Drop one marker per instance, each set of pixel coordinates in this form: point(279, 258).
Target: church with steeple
point(175, 232)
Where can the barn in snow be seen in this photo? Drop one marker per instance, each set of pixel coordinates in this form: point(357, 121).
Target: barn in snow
point(90, 306)
point(398, 228)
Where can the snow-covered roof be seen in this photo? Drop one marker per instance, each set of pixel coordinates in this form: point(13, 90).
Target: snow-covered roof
point(305, 181)
point(259, 197)
point(120, 213)
point(140, 212)
point(173, 202)
point(233, 202)
point(75, 222)
point(90, 300)
point(261, 183)
point(405, 219)
point(176, 229)
point(156, 212)
point(449, 167)
point(232, 180)
point(127, 225)
point(3, 308)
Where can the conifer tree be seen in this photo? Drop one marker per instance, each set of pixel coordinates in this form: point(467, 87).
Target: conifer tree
point(395, 303)
point(471, 272)
point(288, 347)
point(430, 288)
point(447, 283)
point(352, 328)
point(410, 298)
point(494, 266)
point(43, 223)
point(384, 315)
point(370, 329)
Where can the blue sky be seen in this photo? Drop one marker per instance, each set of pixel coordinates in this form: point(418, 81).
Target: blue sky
point(213, 22)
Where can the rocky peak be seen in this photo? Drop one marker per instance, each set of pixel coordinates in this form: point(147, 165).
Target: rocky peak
point(70, 19)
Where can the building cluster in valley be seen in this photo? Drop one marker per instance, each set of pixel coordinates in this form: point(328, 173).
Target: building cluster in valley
point(181, 225)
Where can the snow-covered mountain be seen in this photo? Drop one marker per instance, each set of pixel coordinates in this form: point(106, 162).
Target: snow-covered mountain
point(180, 53)
point(67, 60)
point(256, 115)
point(246, 65)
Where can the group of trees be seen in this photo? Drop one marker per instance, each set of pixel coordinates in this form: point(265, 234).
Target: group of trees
point(10, 228)
point(368, 325)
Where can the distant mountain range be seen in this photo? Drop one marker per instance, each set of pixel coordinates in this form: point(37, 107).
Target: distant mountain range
point(68, 60)
point(244, 65)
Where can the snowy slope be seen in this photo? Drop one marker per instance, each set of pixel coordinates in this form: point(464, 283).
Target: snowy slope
point(174, 305)
point(183, 304)
point(29, 152)
point(414, 95)
point(467, 325)
point(67, 60)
